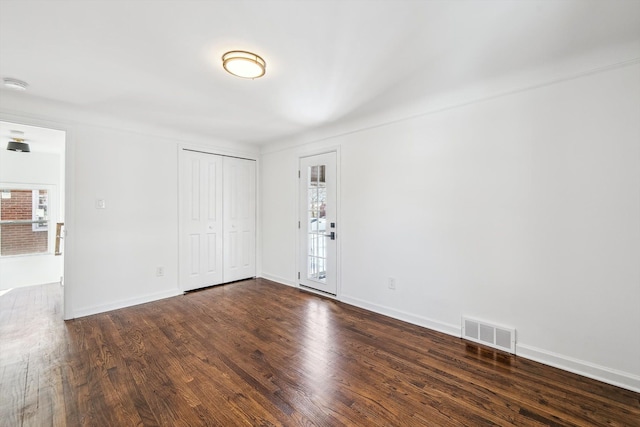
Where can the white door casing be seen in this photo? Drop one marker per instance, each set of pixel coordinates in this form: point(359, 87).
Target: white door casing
point(318, 226)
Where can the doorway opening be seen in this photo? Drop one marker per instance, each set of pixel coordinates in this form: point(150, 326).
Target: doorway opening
point(32, 208)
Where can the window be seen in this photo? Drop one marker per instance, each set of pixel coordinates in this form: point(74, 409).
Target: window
point(40, 208)
point(24, 221)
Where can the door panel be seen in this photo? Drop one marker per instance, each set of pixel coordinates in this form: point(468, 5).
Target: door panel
point(201, 220)
point(239, 219)
point(213, 263)
point(194, 254)
point(318, 222)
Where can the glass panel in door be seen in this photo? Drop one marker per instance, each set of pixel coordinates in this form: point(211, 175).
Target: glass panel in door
point(316, 217)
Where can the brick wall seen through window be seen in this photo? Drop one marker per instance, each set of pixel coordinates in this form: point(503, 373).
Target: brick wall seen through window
point(25, 206)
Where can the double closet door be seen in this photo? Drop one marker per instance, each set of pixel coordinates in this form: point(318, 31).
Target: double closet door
point(217, 218)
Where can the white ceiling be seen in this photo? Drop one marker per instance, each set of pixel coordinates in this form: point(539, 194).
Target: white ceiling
point(158, 62)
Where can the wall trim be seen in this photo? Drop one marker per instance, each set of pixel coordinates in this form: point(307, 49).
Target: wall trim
point(49, 110)
point(305, 139)
point(614, 377)
point(611, 376)
point(445, 328)
point(219, 151)
point(115, 305)
point(581, 367)
point(67, 187)
point(278, 279)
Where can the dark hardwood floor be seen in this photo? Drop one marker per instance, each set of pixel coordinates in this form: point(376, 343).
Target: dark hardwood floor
point(256, 353)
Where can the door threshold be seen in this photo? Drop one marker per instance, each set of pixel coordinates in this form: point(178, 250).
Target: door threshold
point(316, 291)
point(218, 284)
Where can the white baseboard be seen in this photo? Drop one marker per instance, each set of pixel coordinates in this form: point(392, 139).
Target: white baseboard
point(278, 279)
point(611, 376)
point(445, 328)
point(587, 369)
point(87, 311)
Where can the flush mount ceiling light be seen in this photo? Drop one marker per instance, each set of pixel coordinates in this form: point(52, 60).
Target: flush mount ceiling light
point(244, 64)
point(15, 84)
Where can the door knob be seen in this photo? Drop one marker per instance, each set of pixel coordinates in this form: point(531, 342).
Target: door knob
point(332, 235)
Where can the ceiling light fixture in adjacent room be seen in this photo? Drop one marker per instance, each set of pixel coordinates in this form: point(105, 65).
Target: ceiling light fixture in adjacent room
point(15, 84)
point(17, 142)
point(244, 64)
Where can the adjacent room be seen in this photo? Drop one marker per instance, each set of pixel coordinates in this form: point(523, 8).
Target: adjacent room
point(278, 212)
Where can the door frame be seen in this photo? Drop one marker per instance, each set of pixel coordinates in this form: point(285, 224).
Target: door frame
point(216, 151)
point(298, 252)
point(66, 190)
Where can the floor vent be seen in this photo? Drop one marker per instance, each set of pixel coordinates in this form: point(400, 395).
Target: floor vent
point(491, 335)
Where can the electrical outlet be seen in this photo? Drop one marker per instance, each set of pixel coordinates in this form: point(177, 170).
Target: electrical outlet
point(159, 271)
point(392, 283)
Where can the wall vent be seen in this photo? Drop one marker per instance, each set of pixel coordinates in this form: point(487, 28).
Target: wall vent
point(489, 334)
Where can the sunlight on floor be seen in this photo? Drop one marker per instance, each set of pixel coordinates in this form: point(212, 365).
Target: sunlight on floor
point(318, 344)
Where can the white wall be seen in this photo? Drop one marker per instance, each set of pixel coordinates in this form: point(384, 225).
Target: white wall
point(117, 249)
point(111, 254)
point(38, 170)
point(523, 210)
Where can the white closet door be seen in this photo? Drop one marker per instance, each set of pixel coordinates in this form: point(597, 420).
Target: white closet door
point(201, 220)
point(239, 219)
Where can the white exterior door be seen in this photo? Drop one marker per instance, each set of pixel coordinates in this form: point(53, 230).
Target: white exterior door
point(239, 219)
point(318, 226)
point(201, 220)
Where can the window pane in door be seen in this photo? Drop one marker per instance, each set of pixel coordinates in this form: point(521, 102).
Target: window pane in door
point(316, 217)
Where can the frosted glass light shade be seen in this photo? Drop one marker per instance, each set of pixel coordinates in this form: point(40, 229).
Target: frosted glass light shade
point(244, 64)
point(15, 84)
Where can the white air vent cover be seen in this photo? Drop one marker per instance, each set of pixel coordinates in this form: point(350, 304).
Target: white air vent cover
point(489, 334)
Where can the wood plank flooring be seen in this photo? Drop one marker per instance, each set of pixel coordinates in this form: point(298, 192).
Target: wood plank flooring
point(256, 353)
